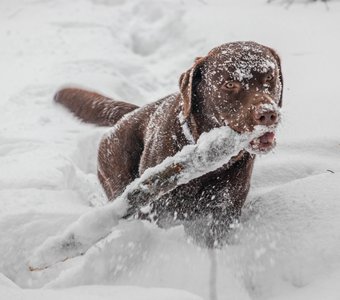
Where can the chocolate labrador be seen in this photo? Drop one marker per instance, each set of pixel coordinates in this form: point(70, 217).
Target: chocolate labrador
point(237, 84)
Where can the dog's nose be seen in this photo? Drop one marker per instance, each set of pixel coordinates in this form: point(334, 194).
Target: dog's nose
point(266, 118)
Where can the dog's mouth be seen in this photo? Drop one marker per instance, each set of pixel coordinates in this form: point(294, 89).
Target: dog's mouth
point(264, 143)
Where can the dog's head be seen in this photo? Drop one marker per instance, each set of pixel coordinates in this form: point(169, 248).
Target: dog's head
point(237, 84)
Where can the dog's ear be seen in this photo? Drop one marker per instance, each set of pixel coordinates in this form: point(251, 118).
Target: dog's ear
point(278, 60)
point(188, 83)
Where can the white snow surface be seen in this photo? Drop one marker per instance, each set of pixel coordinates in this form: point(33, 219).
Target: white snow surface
point(287, 243)
point(212, 150)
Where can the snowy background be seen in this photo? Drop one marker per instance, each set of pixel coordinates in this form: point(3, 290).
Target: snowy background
point(287, 245)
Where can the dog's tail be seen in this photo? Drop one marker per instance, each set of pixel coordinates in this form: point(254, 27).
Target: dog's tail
point(93, 108)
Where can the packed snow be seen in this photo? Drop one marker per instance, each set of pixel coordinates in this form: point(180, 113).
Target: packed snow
point(287, 243)
point(212, 150)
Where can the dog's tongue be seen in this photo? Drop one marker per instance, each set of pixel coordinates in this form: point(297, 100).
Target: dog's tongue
point(267, 138)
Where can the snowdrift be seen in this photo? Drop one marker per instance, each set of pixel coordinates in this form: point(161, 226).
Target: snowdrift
point(287, 243)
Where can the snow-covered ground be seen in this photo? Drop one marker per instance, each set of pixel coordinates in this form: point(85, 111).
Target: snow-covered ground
point(287, 245)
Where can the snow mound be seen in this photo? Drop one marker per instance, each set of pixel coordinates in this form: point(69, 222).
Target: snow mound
point(212, 150)
point(287, 243)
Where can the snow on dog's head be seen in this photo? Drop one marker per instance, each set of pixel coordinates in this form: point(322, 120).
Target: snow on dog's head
point(237, 84)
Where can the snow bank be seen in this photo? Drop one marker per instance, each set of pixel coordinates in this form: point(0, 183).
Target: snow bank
point(286, 246)
point(212, 150)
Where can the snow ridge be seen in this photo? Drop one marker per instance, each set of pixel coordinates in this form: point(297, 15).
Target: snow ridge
point(213, 149)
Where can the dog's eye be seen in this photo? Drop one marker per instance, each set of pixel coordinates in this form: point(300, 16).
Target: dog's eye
point(229, 85)
point(269, 77)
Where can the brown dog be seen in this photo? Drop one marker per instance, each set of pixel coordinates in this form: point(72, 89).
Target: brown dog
point(238, 84)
